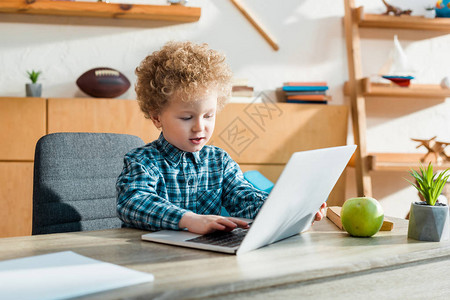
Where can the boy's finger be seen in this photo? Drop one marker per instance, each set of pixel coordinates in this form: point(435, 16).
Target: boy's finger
point(319, 216)
point(217, 226)
point(239, 223)
point(227, 223)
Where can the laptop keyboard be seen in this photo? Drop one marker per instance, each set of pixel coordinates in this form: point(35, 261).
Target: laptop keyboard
point(222, 238)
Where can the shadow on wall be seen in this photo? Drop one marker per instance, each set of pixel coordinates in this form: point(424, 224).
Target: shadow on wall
point(396, 181)
point(406, 34)
point(398, 107)
point(286, 23)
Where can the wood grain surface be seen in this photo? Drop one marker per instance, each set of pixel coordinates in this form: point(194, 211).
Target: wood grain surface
point(22, 123)
point(99, 115)
point(177, 13)
point(323, 254)
point(16, 193)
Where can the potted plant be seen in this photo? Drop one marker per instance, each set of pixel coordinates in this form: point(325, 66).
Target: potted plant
point(430, 12)
point(33, 89)
point(429, 219)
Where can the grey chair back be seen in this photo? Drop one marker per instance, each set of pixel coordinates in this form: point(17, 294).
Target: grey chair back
point(74, 180)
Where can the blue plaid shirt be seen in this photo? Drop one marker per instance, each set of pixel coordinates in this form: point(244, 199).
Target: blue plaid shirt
point(160, 183)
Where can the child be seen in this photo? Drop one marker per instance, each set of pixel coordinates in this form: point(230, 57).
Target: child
point(178, 181)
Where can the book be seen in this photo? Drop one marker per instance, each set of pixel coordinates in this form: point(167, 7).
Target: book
point(306, 101)
point(236, 88)
point(303, 83)
point(291, 93)
point(309, 97)
point(242, 91)
point(305, 88)
point(334, 214)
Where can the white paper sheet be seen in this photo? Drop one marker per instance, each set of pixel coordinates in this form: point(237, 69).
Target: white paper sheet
point(63, 275)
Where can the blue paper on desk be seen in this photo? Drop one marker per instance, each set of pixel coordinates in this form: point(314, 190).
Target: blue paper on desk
point(63, 275)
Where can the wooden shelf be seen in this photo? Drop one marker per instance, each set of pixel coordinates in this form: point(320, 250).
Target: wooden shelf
point(401, 22)
point(359, 88)
point(401, 162)
point(371, 89)
point(177, 13)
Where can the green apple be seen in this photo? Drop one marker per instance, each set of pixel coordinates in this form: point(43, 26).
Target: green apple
point(362, 216)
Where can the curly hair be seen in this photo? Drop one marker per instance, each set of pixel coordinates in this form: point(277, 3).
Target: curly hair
point(184, 68)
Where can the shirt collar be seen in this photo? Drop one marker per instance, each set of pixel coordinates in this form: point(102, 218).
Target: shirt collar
point(173, 154)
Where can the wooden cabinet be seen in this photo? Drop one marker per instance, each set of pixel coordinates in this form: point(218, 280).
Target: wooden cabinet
point(24, 120)
point(99, 115)
point(16, 192)
point(22, 123)
point(272, 133)
point(263, 136)
point(277, 131)
point(360, 89)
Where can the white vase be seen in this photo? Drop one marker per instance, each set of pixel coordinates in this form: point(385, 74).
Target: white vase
point(430, 14)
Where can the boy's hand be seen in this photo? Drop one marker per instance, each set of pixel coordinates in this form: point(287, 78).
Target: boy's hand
point(321, 213)
point(203, 224)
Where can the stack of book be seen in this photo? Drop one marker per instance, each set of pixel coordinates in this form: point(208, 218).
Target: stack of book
point(241, 91)
point(306, 92)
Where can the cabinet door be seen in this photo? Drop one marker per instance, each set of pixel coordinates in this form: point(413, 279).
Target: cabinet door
point(263, 136)
point(99, 115)
point(16, 194)
point(263, 133)
point(22, 123)
point(272, 172)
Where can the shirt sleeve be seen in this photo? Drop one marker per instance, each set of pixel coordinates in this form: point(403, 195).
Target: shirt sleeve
point(239, 197)
point(138, 203)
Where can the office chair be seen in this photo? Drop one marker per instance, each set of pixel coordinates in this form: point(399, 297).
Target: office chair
point(74, 181)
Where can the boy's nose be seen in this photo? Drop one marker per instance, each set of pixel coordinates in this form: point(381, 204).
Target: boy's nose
point(198, 126)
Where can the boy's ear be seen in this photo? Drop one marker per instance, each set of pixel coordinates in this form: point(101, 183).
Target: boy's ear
point(156, 121)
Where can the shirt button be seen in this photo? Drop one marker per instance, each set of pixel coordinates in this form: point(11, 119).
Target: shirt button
point(191, 181)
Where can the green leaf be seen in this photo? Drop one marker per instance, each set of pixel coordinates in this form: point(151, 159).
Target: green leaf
point(428, 184)
point(429, 175)
point(33, 75)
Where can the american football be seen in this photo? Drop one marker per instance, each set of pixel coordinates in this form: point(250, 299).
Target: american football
point(103, 83)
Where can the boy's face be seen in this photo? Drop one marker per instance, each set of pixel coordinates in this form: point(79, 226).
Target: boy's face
point(188, 125)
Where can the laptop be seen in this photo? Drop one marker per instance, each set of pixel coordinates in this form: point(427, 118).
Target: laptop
point(304, 184)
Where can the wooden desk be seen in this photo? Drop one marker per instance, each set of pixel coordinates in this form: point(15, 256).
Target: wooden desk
point(321, 263)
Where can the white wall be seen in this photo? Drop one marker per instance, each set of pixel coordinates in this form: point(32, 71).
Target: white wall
point(312, 48)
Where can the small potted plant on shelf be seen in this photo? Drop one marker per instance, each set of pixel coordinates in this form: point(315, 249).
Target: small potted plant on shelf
point(429, 219)
point(33, 89)
point(430, 12)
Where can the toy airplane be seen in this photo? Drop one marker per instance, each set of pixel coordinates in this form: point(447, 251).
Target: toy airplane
point(437, 148)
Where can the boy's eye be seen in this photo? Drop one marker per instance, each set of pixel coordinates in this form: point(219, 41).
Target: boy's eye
point(208, 116)
point(185, 118)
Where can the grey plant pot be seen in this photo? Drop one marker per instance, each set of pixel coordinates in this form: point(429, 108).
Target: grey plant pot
point(429, 223)
point(33, 89)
